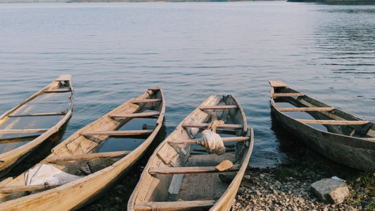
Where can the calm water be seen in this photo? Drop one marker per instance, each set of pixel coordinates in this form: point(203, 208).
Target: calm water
point(193, 50)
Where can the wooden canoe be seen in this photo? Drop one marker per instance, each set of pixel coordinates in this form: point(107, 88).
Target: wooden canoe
point(85, 154)
point(178, 178)
point(26, 126)
point(339, 136)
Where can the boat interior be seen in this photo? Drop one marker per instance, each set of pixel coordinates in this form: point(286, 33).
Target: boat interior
point(36, 115)
point(101, 143)
point(181, 173)
point(319, 115)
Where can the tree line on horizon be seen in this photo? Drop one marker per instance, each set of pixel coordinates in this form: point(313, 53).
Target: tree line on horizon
point(89, 1)
point(339, 2)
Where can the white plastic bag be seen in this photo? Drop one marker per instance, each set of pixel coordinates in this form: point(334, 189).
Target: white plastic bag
point(48, 175)
point(211, 140)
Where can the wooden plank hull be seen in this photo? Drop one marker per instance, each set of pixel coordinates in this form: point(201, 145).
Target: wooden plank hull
point(13, 157)
point(337, 143)
point(73, 195)
point(199, 190)
point(349, 151)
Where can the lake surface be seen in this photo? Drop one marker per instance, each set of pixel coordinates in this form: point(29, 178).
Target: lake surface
point(115, 51)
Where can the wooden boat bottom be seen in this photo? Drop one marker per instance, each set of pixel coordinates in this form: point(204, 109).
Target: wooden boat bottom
point(202, 186)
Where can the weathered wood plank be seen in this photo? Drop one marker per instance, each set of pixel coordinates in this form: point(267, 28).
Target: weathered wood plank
point(23, 131)
point(135, 115)
point(49, 102)
point(117, 133)
point(23, 188)
point(167, 154)
point(187, 170)
point(87, 156)
point(146, 101)
point(277, 84)
point(218, 107)
point(5, 181)
point(175, 185)
point(18, 139)
point(332, 122)
point(203, 125)
point(176, 205)
point(37, 114)
point(306, 109)
point(287, 94)
point(57, 90)
point(194, 141)
point(64, 77)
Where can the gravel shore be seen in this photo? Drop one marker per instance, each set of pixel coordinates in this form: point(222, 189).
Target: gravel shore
point(260, 190)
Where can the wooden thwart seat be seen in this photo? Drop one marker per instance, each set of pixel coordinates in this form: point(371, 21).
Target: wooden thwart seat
point(117, 133)
point(194, 141)
point(23, 188)
point(332, 122)
point(87, 156)
point(306, 109)
point(277, 84)
point(175, 205)
point(188, 170)
point(37, 114)
point(64, 77)
point(218, 107)
point(50, 102)
point(202, 125)
point(57, 90)
point(17, 138)
point(135, 115)
point(287, 94)
point(146, 101)
point(23, 131)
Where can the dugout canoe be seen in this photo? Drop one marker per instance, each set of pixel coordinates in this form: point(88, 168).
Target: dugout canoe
point(86, 154)
point(26, 126)
point(335, 134)
point(178, 176)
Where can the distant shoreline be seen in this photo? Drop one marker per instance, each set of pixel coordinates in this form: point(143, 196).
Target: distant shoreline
point(339, 2)
point(119, 1)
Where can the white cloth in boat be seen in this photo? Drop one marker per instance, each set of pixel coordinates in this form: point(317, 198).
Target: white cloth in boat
point(211, 140)
point(48, 175)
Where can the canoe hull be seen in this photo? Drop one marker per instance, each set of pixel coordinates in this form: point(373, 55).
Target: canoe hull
point(11, 158)
point(194, 191)
point(73, 195)
point(350, 151)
